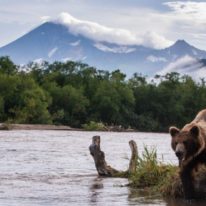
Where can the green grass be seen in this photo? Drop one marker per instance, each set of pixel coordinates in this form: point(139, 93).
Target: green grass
point(155, 177)
point(94, 126)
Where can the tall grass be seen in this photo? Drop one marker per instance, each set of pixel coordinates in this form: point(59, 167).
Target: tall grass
point(152, 175)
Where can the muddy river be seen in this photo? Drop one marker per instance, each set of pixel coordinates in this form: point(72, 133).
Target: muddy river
point(54, 168)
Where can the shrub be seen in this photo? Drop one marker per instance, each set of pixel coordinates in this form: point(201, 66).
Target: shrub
point(94, 126)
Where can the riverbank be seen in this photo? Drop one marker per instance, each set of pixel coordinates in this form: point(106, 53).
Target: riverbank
point(7, 126)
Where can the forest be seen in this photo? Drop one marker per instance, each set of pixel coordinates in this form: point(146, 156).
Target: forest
point(74, 93)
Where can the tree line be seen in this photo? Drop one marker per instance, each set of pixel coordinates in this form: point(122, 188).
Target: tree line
point(74, 93)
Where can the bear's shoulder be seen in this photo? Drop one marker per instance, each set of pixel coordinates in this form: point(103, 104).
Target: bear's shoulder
point(201, 125)
point(188, 126)
point(201, 117)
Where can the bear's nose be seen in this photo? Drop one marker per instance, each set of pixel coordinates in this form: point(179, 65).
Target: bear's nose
point(179, 154)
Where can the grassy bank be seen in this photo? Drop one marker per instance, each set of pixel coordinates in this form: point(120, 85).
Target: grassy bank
point(156, 178)
point(100, 126)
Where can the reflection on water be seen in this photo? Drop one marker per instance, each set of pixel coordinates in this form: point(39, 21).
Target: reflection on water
point(141, 197)
point(185, 203)
point(54, 168)
point(96, 186)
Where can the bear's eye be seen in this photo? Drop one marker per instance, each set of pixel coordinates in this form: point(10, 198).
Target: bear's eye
point(185, 142)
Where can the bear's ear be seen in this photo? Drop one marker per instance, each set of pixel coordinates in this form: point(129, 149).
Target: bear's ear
point(194, 131)
point(173, 131)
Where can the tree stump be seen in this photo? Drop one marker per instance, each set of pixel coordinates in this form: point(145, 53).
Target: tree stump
point(101, 165)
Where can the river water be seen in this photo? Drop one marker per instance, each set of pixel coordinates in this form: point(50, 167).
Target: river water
point(54, 168)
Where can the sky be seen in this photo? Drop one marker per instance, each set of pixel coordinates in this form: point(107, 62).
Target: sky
point(152, 23)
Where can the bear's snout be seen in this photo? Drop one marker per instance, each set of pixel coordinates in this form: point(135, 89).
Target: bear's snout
point(180, 151)
point(179, 154)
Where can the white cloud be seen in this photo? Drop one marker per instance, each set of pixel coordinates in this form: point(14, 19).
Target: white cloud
point(186, 66)
point(76, 43)
point(152, 39)
point(45, 19)
point(52, 52)
point(184, 20)
point(80, 58)
point(155, 59)
point(188, 7)
point(190, 12)
point(38, 61)
point(67, 59)
point(84, 58)
point(100, 33)
point(120, 49)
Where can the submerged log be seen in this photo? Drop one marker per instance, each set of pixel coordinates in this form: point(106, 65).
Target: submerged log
point(106, 170)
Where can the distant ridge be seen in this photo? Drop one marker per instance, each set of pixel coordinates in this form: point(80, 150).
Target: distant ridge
point(53, 42)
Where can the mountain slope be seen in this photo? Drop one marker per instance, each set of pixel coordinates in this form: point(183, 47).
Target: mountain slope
point(51, 42)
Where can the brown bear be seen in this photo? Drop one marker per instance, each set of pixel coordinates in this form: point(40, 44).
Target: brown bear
point(189, 145)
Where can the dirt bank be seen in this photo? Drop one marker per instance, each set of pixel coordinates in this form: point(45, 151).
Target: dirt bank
point(4, 126)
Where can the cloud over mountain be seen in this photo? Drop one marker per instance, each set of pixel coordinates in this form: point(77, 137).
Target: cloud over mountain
point(59, 42)
point(102, 33)
point(186, 65)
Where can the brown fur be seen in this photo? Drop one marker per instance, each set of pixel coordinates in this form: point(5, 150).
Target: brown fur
point(189, 144)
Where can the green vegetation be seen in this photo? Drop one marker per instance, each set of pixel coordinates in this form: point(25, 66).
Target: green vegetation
point(76, 94)
point(155, 177)
point(94, 126)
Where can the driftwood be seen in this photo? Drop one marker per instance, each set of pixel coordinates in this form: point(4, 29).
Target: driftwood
point(103, 168)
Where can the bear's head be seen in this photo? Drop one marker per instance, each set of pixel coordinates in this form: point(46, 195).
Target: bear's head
point(185, 143)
